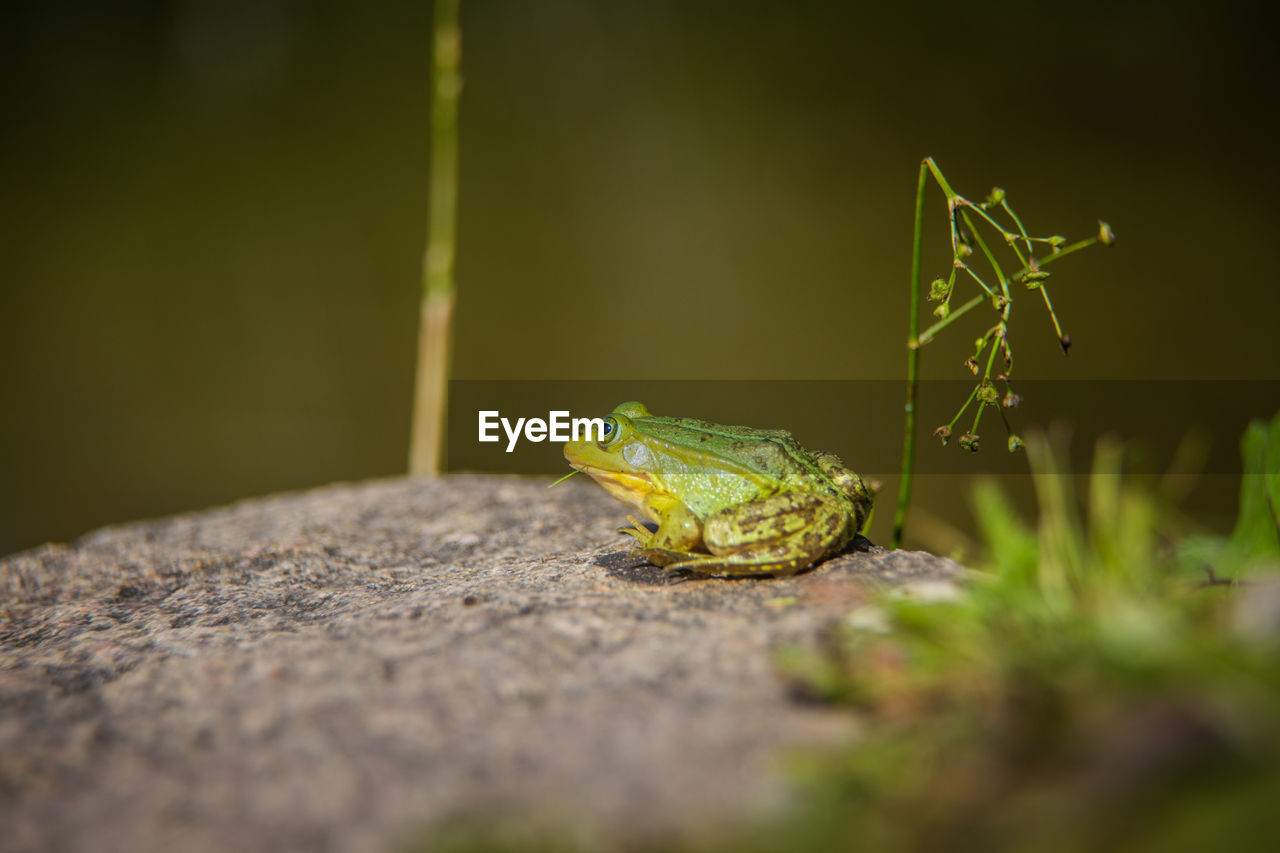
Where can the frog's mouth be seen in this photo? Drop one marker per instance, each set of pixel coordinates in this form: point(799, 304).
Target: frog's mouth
point(630, 488)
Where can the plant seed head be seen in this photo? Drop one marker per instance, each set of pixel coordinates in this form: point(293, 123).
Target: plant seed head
point(943, 433)
point(1015, 444)
point(1106, 236)
point(969, 442)
point(1065, 343)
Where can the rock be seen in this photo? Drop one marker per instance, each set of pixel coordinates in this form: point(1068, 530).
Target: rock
point(347, 667)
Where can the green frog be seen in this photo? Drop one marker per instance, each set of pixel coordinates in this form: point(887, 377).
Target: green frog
point(728, 500)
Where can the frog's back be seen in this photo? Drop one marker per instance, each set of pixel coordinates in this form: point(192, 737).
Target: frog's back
point(776, 454)
point(773, 453)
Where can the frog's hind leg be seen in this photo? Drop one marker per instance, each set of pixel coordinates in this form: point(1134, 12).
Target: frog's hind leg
point(779, 535)
point(739, 566)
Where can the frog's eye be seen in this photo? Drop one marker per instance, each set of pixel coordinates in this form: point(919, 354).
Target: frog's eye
point(616, 429)
point(611, 430)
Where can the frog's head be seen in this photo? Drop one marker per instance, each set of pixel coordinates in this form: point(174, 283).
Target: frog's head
point(622, 461)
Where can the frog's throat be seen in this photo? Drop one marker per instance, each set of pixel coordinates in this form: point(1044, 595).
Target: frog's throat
point(630, 488)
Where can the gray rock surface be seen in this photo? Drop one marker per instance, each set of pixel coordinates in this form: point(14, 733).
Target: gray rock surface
point(344, 668)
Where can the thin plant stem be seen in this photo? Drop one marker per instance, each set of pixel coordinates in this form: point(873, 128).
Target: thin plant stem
point(913, 356)
point(986, 379)
point(991, 258)
point(1052, 314)
point(940, 178)
point(977, 278)
point(1004, 232)
point(963, 409)
point(1004, 419)
point(1066, 250)
point(1016, 221)
point(427, 430)
point(928, 333)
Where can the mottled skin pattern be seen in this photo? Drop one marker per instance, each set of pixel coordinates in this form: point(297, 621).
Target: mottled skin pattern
point(728, 500)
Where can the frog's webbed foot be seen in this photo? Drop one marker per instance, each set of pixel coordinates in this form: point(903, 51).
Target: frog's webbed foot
point(650, 545)
point(679, 533)
point(642, 534)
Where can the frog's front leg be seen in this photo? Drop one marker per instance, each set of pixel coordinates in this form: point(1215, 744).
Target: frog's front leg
point(777, 535)
point(679, 531)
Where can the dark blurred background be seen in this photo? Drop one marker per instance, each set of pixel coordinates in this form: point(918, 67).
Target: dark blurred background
point(213, 218)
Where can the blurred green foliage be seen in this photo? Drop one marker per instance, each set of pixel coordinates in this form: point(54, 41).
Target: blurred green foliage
point(1099, 686)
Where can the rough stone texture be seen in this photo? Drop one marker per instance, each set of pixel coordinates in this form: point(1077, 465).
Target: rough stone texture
point(341, 669)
